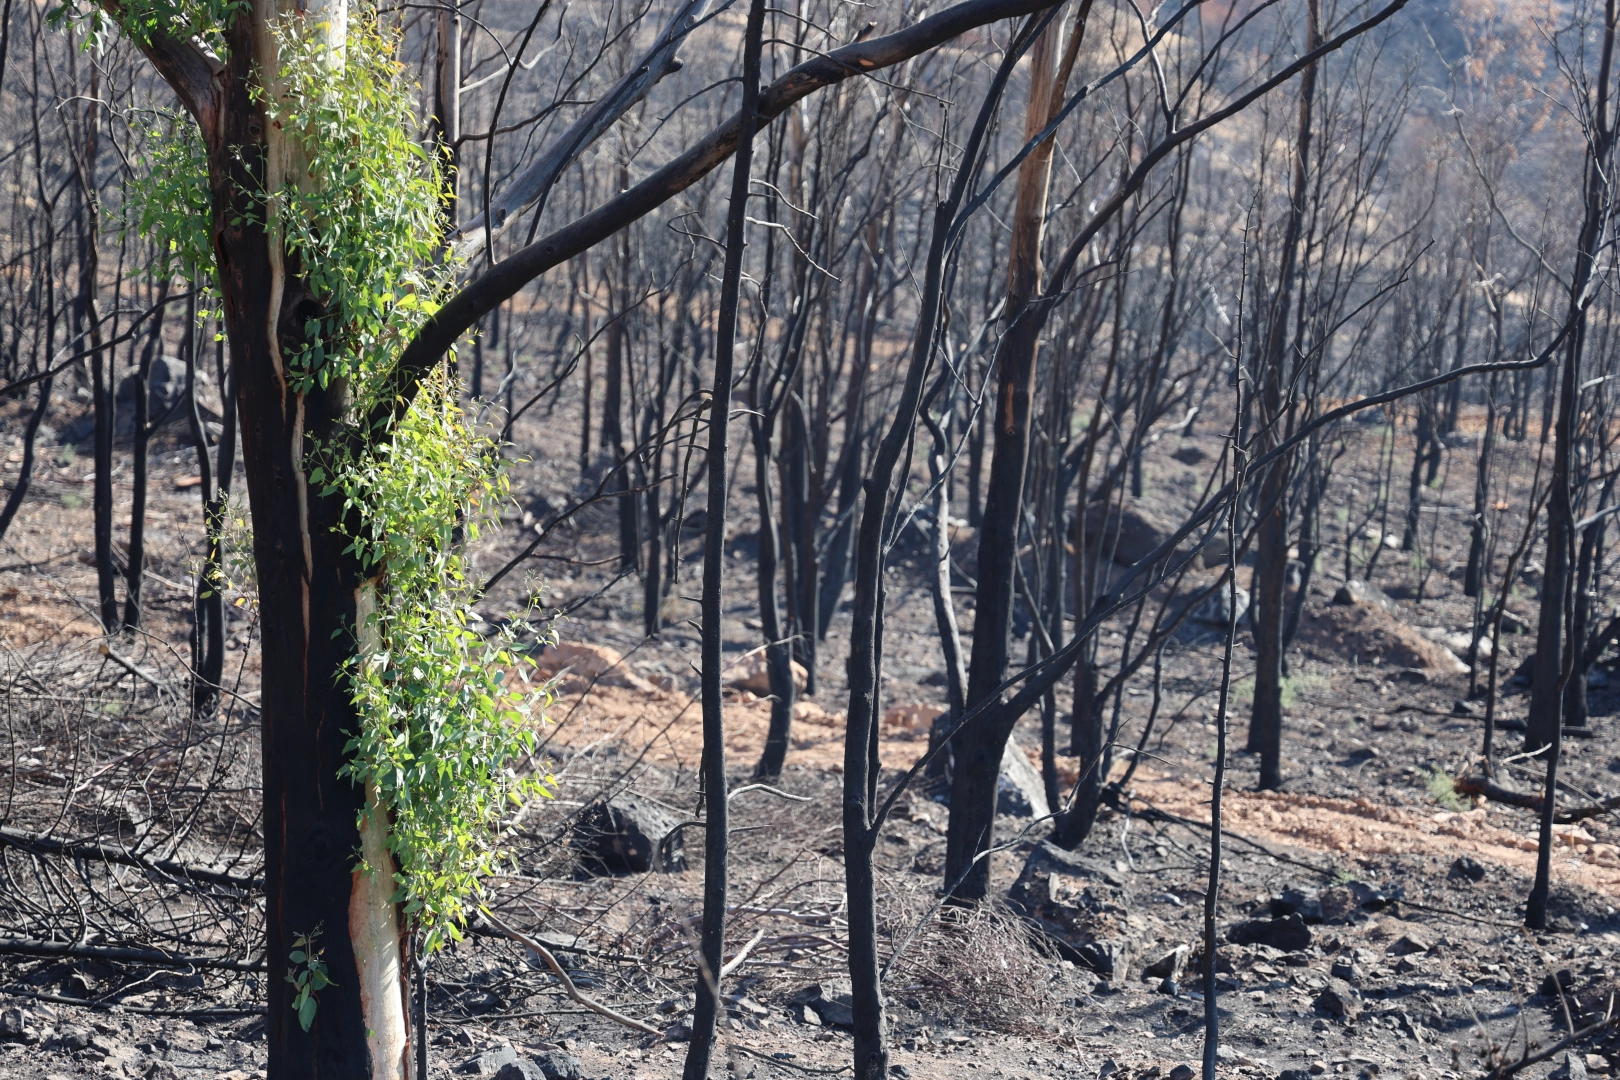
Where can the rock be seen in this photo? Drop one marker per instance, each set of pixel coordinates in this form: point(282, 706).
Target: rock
point(906, 721)
point(1514, 624)
point(1020, 790)
point(165, 389)
point(1182, 1072)
point(519, 1070)
point(161, 1070)
point(621, 835)
point(899, 1071)
point(1338, 1000)
point(1079, 903)
point(72, 1037)
point(1216, 553)
point(1597, 1063)
point(1296, 1074)
point(1053, 875)
point(1408, 944)
point(1466, 708)
point(1169, 966)
point(1109, 958)
point(1346, 970)
point(831, 1002)
point(1355, 592)
point(1126, 534)
point(1108, 1068)
point(1573, 1068)
point(1216, 608)
point(1366, 634)
point(1303, 900)
point(1458, 643)
point(1338, 904)
point(1550, 988)
point(589, 665)
point(1169, 986)
point(1289, 933)
point(1526, 673)
point(750, 673)
point(556, 1065)
point(13, 1025)
point(1467, 869)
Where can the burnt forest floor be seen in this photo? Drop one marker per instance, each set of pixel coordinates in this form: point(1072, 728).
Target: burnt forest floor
point(1415, 969)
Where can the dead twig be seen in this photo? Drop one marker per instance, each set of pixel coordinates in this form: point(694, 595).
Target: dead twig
point(1501, 1072)
point(567, 983)
point(26, 947)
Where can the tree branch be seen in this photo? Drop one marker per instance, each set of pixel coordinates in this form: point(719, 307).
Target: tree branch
point(188, 69)
point(502, 281)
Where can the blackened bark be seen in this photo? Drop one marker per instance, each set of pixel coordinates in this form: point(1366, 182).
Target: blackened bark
point(975, 476)
point(712, 928)
point(1086, 743)
point(1554, 663)
point(207, 606)
point(135, 567)
point(1479, 526)
point(1425, 438)
point(101, 389)
point(799, 536)
point(25, 471)
point(977, 770)
point(307, 596)
point(835, 574)
point(861, 765)
point(978, 749)
point(1310, 542)
point(778, 655)
point(1590, 557)
point(1271, 554)
point(209, 620)
point(950, 639)
point(613, 405)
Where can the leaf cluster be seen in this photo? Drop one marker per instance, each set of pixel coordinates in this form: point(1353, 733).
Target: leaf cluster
point(361, 215)
point(447, 718)
point(307, 975)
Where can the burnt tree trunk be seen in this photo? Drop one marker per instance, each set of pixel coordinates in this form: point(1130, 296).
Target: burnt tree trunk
point(979, 748)
point(1479, 525)
point(135, 567)
point(1553, 667)
point(716, 842)
point(102, 367)
point(1271, 555)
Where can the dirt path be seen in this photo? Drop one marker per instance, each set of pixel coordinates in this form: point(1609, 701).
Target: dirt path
point(1359, 828)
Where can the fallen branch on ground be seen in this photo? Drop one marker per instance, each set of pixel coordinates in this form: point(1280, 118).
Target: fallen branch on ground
point(1487, 788)
point(568, 984)
point(116, 954)
point(38, 844)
